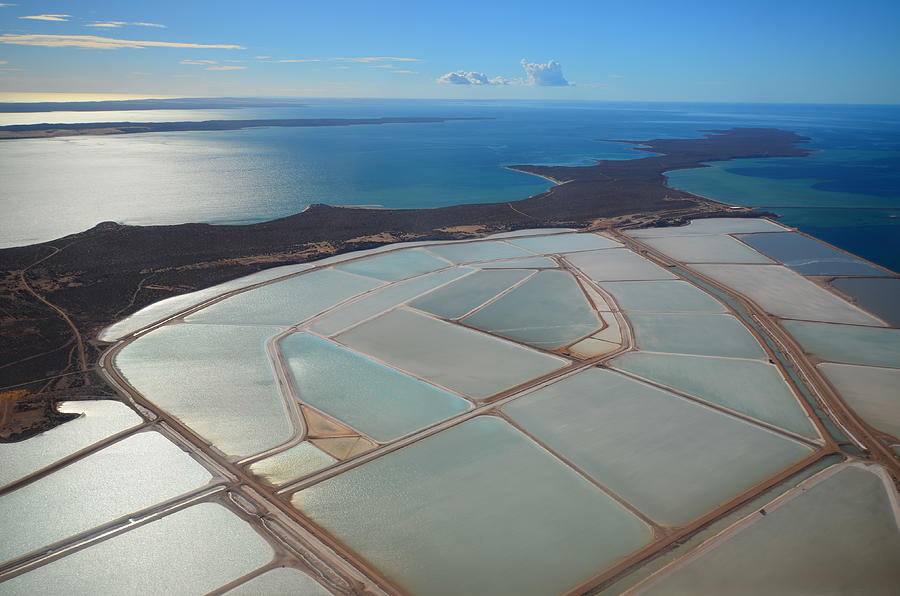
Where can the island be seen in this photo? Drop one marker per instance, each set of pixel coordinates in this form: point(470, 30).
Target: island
point(56, 296)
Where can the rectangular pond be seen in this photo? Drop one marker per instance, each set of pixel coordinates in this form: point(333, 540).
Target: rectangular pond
point(705, 249)
point(291, 464)
point(523, 263)
point(136, 472)
point(837, 536)
point(189, 552)
point(617, 264)
point(470, 252)
point(286, 302)
point(451, 356)
point(549, 310)
point(281, 581)
point(478, 491)
point(562, 243)
point(879, 296)
point(786, 294)
point(661, 296)
point(216, 379)
point(871, 392)
point(372, 398)
point(701, 334)
point(395, 265)
point(457, 299)
point(609, 426)
point(876, 346)
point(751, 387)
point(807, 255)
point(97, 420)
point(714, 225)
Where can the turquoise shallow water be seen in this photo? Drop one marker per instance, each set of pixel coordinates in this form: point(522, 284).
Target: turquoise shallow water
point(847, 193)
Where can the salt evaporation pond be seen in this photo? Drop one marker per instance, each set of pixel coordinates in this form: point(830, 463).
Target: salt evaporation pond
point(524, 263)
point(463, 360)
point(480, 487)
point(470, 252)
point(291, 464)
point(661, 296)
point(847, 343)
point(217, 379)
point(702, 334)
point(837, 536)
point(617, 264)
point(457, 299)
point(879, 296)
point(562, 243)
point(871, 392)
point(188, 552)
point(395, 265)
point(607, 424)
point(131, 474)
point(96, 421)
point(373, 398)
point(705, 249)
point(751, 387)
point(716, 225)
point(808, 256)
point(281, 581)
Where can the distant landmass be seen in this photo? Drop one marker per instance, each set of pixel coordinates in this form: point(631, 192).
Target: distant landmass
point(40, 131)
point(179, 103)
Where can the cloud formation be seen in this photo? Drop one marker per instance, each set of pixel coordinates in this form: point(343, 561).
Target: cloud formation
point(225, 68)
point(290, 60)
point(544, 75)
point(199, 62)
point(48, 17)
point(117, 24)
point(463, 77)
point(404, 71)
point(377, 59)
point(94, 42)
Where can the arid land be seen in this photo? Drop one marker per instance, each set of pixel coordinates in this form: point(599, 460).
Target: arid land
point(55, 296)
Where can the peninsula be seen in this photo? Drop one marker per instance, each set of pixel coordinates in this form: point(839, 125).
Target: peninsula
point(55, 296)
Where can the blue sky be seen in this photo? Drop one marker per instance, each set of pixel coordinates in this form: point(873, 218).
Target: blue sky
point(644, 50)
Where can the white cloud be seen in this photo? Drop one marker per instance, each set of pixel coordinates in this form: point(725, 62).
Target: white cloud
point(341, 67)
point(94, 42)
point(199, 62)
point(377, 59)
point(3, 62)
point(261, 57)
point(225, 68)
point(616, 76)
point(2, 4)
point(544, 75)
point(463, 77)
point(110, 24)
point(290, 60)
point(144, 24)
point(48, 17)
point(402, 71)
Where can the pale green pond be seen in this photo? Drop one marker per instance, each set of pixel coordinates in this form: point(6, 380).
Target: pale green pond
point(382, 300)
point(131, 474)
point(701, 334)
point(395, 265)
point(524, 263)
point(549, 310)
point(281, 581)
point(617, 264)
point(97, 420)
point(189, 552)
point(470, 252)
point(463, 360)
point(458, 298)
point(837, 537)
point(705, 249)
point(565, 243)
point(427, 515)
point(609, 426)
point(286, 302)
point(872, 392)
point(750, 387)
point(291, 464)
point(848, 343)
point(369, 396)
point(217, 379)
point(661, 296)
point(786, 294)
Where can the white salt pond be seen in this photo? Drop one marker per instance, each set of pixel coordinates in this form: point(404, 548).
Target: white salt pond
point(189, 552)
point(524, 263)
point(281, 581)
point(750, 387)
point(661, 296)
point(702, 334)
point(617, 264)
point(562, 243)
point(609, 426)
point(428, 515)
point(216, 379)
point(715, 225)
point(136, 472)
point(463, 360)
point(291, 464)
point(395, 265)
point(786, 294)
point(470, 252)
point(705, 249)
point(96, 421)
point(847, 343)
point(871, 391)
point(460, 297)
point(367, 395)
point(837, 536)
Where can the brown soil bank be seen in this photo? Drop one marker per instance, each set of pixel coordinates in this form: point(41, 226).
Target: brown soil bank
point(88, 280)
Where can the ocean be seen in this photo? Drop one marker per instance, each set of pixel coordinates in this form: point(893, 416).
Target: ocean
point(847, 192)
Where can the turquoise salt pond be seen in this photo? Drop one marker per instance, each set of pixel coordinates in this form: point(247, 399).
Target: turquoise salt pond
point(367, 395)
point(608, 425)
point(288, 302)
point(396, 265)
point(751, 387)
point(131, 474)
point(427, 515)
point(808, 256)
point(524, 263)
point(457, 299)
point(549, 310)
point(562, 243)
point(470, 252)
point(617, 264)
point(217, 379)
point(188, 552)
point(701, 334)
point(463, 360)
point(661, 296)
point(705, 249)
point(847, 343)
point(871, 392)
point(836, 535)
point(96, 421)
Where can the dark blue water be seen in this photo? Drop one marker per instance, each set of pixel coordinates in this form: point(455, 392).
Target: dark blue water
point(848, 193)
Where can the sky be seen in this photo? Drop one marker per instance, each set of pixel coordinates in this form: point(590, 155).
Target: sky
point(822, 51)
